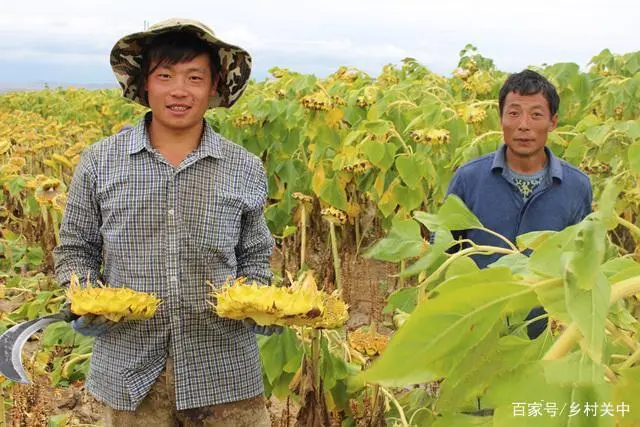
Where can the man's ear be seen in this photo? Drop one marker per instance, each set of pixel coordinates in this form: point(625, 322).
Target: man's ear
point(554, 122)
point(216, 81)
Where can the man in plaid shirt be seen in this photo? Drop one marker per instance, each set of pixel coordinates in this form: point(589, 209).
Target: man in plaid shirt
point(166, 207)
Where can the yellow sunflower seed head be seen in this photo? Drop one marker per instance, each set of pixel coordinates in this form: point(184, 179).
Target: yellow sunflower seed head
point(302, 304)
point(115, 304)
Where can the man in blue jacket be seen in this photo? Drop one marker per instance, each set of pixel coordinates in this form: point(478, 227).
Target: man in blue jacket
point(522, 186)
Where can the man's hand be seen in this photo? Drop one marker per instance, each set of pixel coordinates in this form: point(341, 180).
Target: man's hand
point(262, 330)
point(92, 325)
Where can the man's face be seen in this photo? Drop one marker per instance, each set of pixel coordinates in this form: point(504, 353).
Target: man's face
point(526, 122)
point(179, 94)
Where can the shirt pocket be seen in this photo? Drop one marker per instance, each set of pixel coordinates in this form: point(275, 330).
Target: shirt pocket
point(132, 215)
point(216, 229)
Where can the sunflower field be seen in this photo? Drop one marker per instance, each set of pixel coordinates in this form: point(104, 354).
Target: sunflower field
point(358, 168)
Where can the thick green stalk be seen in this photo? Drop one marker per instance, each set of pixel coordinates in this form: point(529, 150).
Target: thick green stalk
point(336, 257)
point(303, 235)
point(571, 336)
point(634, 229)
point(315, 359)
point(633, 359)
point(391, 397)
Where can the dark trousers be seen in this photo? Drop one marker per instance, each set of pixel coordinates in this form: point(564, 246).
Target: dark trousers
point(534, 329)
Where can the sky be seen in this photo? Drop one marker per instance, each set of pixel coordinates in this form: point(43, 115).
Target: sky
point(68, 42)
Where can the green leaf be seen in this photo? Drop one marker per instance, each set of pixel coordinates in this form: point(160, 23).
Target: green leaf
point(588, 309)
point(453, 215)
point(272, 355)
point(388, 202)
point(403, 241)
point(587, 289)
point(280, 388)
point(59, 420)
point(545, 260)
point(461, 420)
point(332, 367)
point(631, 128)
point(633, 270)
point(35, 255)
point(511, 394)
point(574, 369)
point(481, 366)
point(518, 263)
point(634, 157)
point(583, 267)
point(379, 153)
point(333, 193)
point(352, 137)
point(461, 266)
point(292, 349)
point(577, 149)
point(617, 265)
point(15, 185)
point(409, 169)
point(408, 198)
point(377, 127)
point(404, 299)
point(627, 391)
point(59, 333)
point(429, 220)
point(597, 134)
point(532, 240)
point(436, 252)
point(452, 322)
point(607, 204)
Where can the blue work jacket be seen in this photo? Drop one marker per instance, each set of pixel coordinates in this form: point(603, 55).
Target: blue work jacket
point(562, 199)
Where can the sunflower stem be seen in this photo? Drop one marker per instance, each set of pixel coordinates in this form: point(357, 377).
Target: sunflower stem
point(336, 257)
point(303, 235)
point(571, 336)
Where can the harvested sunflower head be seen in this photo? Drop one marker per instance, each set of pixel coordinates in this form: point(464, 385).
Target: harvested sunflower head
point(115, 304)
point(299, 305)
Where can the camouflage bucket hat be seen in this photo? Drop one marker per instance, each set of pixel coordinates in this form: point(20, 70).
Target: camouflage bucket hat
point(235, 62)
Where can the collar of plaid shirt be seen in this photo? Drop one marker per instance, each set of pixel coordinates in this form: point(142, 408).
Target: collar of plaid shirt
point(209, 144)
point(169, 230)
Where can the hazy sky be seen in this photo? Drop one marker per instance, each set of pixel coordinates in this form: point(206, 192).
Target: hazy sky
point(69, 41)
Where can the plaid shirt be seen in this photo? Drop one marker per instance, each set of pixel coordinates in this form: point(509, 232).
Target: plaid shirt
point(168, 230)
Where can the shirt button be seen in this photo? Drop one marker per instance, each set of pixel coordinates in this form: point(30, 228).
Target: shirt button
point(170, 212)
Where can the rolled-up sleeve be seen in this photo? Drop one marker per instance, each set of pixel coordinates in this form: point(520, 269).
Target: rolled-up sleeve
point(256, 243)
point(80, 248)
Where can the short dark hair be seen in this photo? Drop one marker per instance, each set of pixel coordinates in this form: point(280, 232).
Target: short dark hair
point(528, 82)
point(173, 48)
